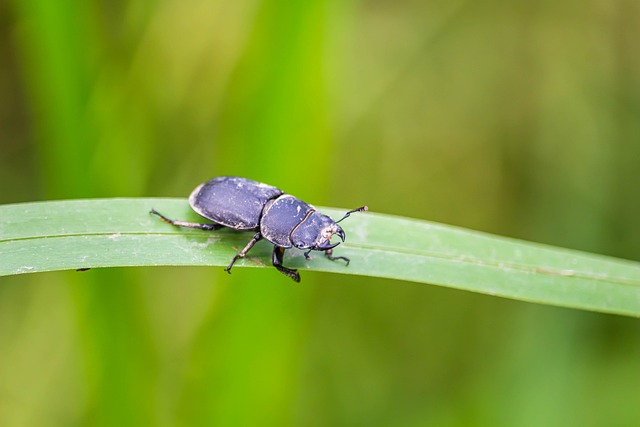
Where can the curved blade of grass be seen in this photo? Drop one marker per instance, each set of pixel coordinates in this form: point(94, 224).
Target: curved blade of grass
point(63, 235)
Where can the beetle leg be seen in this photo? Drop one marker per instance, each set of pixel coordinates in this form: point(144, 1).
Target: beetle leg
point(307, 256)
point(329, 254)
point(243, 252)
point(185, 223)
point(278, 256)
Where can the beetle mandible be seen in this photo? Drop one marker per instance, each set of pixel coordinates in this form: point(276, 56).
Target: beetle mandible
point(282, 219)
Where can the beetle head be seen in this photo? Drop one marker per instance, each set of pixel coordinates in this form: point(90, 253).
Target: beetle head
point(315, 233)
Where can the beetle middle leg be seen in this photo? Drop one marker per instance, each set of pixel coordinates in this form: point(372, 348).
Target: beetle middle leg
point(329, 254)
point(243, 252)
point(278, 256)
point(178, 223)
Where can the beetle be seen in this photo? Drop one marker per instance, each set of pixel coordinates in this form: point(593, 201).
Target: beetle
point(280, 218)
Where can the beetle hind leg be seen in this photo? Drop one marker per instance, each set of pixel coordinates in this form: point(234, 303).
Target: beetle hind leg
point(329, 254)
point(278, 256)
point(178, 223)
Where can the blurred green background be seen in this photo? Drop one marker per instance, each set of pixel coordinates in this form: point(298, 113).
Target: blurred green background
point(518, 118)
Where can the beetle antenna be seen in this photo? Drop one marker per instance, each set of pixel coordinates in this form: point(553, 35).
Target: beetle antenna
point(360, 209)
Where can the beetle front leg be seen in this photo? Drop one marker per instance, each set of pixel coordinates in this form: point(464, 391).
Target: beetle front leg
point(278, 256)
point(243, 252)
point(329, 254)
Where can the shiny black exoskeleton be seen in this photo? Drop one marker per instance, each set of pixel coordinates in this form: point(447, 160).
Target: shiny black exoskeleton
point(282, 219)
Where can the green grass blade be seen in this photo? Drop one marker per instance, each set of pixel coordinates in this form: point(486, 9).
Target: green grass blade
point(64, 235)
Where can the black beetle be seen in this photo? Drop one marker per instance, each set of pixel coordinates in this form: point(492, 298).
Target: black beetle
point(284, 220)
